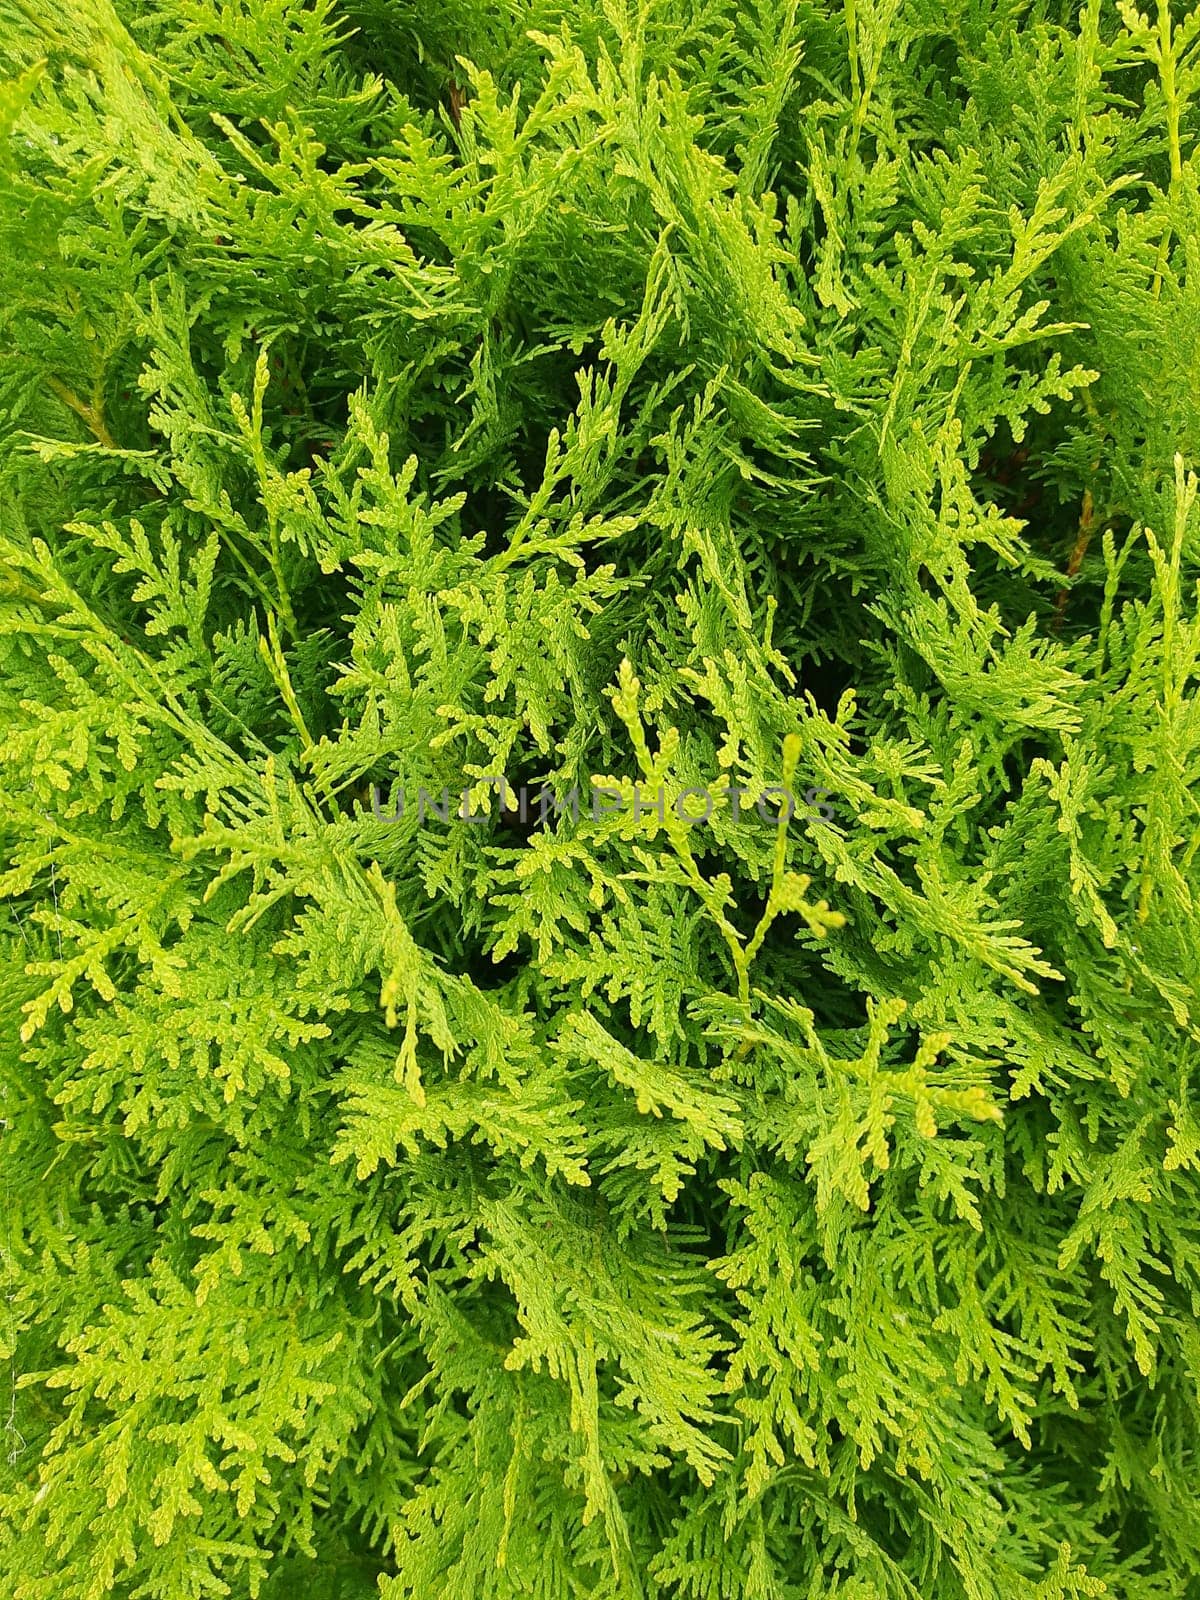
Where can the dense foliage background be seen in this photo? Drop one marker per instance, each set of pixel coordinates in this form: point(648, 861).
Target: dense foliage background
point(397, 395)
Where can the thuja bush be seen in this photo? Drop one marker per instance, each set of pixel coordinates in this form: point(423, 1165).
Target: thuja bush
point(441, 1156)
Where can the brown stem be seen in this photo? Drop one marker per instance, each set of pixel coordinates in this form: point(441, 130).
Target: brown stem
point(90, 414)
point(1087, 526)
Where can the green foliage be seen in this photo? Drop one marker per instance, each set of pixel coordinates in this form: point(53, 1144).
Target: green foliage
point(711, 396)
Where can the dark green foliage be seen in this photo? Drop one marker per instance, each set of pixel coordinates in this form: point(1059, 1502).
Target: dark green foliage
point(393, 397)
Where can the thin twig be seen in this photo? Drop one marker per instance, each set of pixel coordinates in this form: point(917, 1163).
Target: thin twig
point(90, 414)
